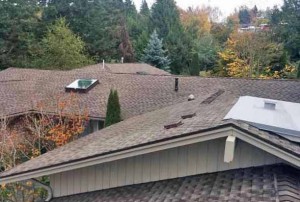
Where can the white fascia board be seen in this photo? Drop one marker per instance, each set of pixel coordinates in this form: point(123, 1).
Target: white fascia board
point(250, 139)
point(172, 143)
point(177, 142)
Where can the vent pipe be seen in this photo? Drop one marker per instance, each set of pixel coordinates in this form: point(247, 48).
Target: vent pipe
point(176, 84)
point(270, 105)
point(103, 64)
point(122, 60)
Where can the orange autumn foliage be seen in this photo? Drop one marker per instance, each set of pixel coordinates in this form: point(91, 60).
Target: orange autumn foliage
point(55, 123)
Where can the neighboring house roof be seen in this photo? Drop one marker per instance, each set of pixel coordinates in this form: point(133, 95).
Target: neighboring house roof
point(148, 129)
point(268, 183)
point(135, 68)
point(22, 89)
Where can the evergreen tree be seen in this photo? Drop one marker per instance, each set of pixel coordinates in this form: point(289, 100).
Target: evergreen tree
point(62, 49)
point(154, 53)
point(244, 15)
point(139, 29)
point(145, 11)
point(98, 23)
point(130, 8)
point(140, 44)
point(298, 71)
point(288, 27)
point(195, 66)
point(19, 31)
point(113, 112)
point(126, 47)
point(165, 19)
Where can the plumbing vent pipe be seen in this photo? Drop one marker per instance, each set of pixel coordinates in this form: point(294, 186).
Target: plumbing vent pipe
point(176, 84)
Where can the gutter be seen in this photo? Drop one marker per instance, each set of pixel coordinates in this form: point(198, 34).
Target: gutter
point(42, 185)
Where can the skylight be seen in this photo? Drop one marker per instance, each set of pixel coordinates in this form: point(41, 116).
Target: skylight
point(277, 116)
point(82, 85)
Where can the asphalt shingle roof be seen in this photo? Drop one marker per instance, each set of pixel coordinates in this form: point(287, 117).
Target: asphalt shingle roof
point(149, 128)
point(269, 183)
point(22, 89)
point(135, 68)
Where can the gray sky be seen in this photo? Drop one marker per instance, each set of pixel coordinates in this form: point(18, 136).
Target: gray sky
point(226, 6)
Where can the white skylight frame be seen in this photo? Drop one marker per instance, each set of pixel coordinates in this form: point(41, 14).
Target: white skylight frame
point(75, 86)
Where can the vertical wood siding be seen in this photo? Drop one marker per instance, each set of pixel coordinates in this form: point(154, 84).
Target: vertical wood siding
point(193, 159)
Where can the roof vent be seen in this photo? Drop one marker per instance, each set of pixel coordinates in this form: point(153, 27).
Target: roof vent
point(188, 116)
point(214, 96)
point(176, 84)
point(174, 124)
point(191, 97)
point(270, 105)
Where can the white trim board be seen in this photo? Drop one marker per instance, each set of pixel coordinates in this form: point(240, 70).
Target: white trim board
point(168, 144)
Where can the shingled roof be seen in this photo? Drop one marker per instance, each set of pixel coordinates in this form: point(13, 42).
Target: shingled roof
point(148, 129)
point(22, 89)
point(135, 68)
point(269, 183)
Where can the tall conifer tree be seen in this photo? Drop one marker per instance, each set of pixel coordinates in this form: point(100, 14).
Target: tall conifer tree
point(113, 112)
point(154, 53)
point(165, 19)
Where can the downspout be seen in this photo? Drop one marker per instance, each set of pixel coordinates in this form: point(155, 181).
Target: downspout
point(48, 188)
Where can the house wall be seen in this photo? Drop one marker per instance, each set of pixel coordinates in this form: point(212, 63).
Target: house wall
point(93, 126)
point(182, 161)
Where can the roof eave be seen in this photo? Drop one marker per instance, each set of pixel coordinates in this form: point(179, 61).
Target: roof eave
point(220, 131)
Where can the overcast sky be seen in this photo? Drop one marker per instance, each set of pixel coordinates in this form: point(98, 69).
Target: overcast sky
point(226, 6)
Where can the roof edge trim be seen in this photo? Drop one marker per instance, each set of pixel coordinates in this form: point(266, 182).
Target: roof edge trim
point(184, 139)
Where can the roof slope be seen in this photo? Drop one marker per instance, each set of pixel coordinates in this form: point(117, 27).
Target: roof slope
point(22, 89)
point(148, 129)
point(269, 183)
point(135, 68)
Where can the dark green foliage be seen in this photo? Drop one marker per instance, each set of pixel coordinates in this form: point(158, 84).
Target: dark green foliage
point(195, 65)
point(139, 30)
point(111, 29)
point(286, 27)
point(61, 49)
point(145, 11)
point(130, 8)
point(154, 54)
point(98, 23)
point(291, 30)
point(207, 49)
point(113, 112)
point(19, 30)
point(244, 15)
point(165, 19)
point(298, 71)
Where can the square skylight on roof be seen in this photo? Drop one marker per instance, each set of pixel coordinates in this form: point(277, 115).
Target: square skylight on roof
point(82, 85)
